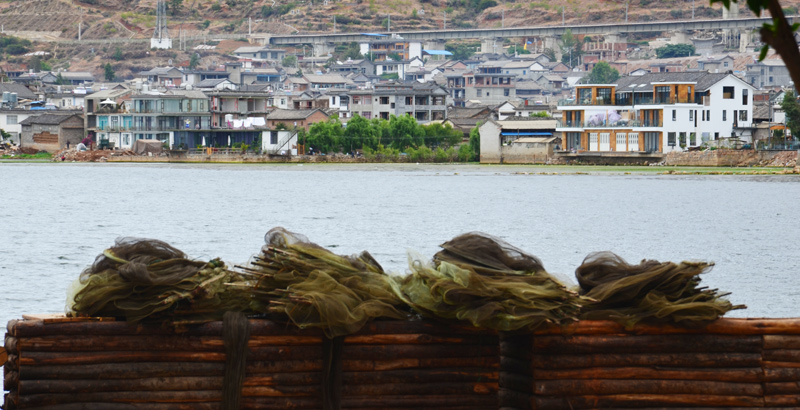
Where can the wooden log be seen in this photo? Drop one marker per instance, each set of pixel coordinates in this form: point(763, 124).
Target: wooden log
point(12, 364)
point(285, 353)
point(776, 365)
point(163, 383)
point(34, 400)
point(77, 358)
point(780, 388)
point(644, 387)
point(258, 327)
point(513, 398)
point(284, 366)
point(782, 375)
point(644, 400)
point(742, 375)
point(438, 401)
point(419, 338)
point(516, 382)
point(281, 403)
point(159, 342)
point(388, 352)
point(11, 381)
point(419, 376)
point(725, 326)
point(422, 326)
point(486, 362)
point(682, 360)
point(516, 366)
point(131, 406)
point(124, 370)
point(787, 400)
point(781, 342)
point(419, 390)
point(282, 391)
point(782, 355)
point(9, 347)
point(646, 344)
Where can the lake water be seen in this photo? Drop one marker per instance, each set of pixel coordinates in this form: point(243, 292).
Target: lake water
point(56, 218)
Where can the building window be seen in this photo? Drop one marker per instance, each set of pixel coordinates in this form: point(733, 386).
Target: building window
point(487, 93)
point(725, 64)
point(11, 120)
point(662, 94)
point(744, 97)
point(674, 115)
point(366, 114)
point(692, 139)
point(725, 115)
point(704, 114)
point(505, 92)
point(671, 139)
point(708, 115)
point(384, 100)
point(727, 93)
point(743, 115)
point(273, 137)
point(691, 115)
point(716, 135)
point(682, 139)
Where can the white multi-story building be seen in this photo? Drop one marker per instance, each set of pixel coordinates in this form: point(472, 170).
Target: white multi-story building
point(657, 112)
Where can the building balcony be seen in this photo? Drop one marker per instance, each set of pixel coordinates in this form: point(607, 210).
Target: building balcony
point(639, 100)
point(606, 124)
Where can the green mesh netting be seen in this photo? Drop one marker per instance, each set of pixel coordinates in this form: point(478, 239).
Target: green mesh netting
point(490, 284)
point(142, 278)
point(652, 291)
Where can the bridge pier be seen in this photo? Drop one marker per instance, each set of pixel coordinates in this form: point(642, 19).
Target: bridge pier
point(680, 37)
point(324, 49)
point(434, 44)
point(551, 42)
point(491, 45)
point(745, 42)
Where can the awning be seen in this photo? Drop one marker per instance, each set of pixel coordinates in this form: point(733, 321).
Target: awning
point(108, 101)
point(527, 134)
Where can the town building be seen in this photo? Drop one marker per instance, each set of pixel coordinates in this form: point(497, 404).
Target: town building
point(768, 73)
point(657, 112)
point(518, 140)
point(107, 117)
point(295, 119)
point(424, 102)
point(51, 132)
point(157, 116)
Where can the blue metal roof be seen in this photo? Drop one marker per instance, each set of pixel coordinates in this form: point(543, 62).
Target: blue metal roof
point(437, 52)
point(373, 34)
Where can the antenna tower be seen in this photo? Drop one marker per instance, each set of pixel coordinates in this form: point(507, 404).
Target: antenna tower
point(161, 35)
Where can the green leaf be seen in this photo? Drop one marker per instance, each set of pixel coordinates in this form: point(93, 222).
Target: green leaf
point(763, 54)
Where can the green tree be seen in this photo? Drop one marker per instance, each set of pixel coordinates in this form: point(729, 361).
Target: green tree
point(475, 142)
point(194, 61)
point(174, 6)
point(353, 52)
point(675, 50)
point(325, 136)
point(60, 79)
point(117, 54)
point(571, 49)
point(602, 73)
point(108, 72)
point(515, 49)
point(289, 61)
point(791, 107)
point(779, 34)
point(550, 53)
point(460, 51)
point(405, 132)
point(358, 134)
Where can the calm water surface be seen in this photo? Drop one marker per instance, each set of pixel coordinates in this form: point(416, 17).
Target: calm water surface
point(58, 217)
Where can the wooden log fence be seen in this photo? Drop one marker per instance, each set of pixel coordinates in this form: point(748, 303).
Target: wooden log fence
point(103, 364)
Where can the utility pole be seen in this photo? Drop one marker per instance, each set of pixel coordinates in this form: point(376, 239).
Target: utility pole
point(334, 24)
point(562, 16)
point(389, 23)
point(249, 26)
point(692, 9)
point(503, 18)
point(626, 11)
point(445, 21)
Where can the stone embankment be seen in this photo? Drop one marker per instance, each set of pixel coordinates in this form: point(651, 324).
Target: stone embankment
point(732, 158)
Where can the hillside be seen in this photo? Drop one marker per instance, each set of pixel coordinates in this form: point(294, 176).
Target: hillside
point(201, 20)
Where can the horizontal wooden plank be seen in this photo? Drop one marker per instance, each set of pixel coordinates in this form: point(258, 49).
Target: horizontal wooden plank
point(610, 387)
point(781, 341)
point(644, 400)
point(667, 360)
point(726, 326)
point(676, 343)
point(742, 375)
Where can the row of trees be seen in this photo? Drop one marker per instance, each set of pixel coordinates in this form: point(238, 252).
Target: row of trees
point(399, 134)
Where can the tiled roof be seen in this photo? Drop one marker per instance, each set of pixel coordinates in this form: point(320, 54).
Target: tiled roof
point(47, 119)
point(291, 114)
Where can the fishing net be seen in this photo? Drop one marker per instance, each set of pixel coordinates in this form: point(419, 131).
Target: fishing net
point(661, 292)
point(313, 287)
point(145, 278)
point(488, 283)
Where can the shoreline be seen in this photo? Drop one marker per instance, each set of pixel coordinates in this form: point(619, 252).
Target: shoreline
point(512, 169)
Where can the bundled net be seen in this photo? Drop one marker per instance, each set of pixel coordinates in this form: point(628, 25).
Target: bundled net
point(313, 287)
point(660, 292)
point(140, 279)
point(482, 280)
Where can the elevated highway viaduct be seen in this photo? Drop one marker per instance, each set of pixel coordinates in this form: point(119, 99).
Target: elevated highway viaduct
point(323, 43)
